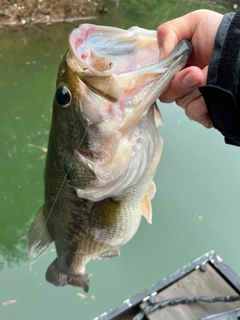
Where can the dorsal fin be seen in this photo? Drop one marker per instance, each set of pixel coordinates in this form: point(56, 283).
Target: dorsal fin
point(39, 236)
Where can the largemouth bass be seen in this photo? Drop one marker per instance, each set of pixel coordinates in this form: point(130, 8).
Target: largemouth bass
point(104, 146)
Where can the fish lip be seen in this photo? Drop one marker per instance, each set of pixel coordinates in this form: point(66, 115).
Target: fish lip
point(183, 48)
point(181, 51)
point(95, 80)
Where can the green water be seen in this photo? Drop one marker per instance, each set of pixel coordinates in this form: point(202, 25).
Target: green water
point(195, 210)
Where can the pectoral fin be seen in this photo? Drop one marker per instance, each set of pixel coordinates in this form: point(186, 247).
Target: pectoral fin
point(39, 236)
point(152, 190)
point(146, 207)
point(157, 115)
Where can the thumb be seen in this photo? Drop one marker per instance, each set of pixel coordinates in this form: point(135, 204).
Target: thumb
point(171, 32)
point(167, 39)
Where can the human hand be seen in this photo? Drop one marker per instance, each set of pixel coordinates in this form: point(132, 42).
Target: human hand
point(200, 27)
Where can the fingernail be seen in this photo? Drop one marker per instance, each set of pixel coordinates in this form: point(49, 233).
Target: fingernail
point(191, 80)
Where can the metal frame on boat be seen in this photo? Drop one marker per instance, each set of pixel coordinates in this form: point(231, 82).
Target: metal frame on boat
point(130, 307)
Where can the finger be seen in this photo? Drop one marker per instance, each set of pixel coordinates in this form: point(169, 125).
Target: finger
point(196, 110)
point(164, 32)
point(171, 32)
point(194, 105)
point(187, 99)
point(183, 83)
point(184, 100)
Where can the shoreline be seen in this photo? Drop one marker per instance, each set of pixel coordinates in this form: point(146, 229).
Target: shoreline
point(20, 13)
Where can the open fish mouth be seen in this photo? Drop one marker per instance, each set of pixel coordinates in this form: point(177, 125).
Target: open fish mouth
point(120, 56)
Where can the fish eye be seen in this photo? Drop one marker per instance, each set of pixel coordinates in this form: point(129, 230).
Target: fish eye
point(63, 96)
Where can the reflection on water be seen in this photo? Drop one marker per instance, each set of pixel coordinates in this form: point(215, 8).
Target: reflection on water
point(190, 185)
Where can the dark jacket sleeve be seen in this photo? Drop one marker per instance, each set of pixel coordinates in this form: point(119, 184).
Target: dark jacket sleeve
point(222, 91)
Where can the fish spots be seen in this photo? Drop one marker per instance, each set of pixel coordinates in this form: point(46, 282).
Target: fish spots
point(102, 64)
point(77, 224)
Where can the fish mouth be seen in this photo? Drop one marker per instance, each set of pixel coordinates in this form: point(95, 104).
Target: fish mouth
point(107, 61)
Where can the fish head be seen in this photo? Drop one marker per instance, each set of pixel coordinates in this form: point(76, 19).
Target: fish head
point(107, 71)
point(107, 82)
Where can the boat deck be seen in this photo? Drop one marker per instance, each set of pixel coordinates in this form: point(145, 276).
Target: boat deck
point(206, 276)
